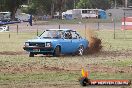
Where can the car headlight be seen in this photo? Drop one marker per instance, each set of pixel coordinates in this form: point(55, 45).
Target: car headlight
point(48, 44)
point(27, 44)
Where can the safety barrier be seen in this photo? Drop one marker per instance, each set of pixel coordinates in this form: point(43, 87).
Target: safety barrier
point(126, 23)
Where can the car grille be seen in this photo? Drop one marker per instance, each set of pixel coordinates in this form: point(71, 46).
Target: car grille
point(37, 44)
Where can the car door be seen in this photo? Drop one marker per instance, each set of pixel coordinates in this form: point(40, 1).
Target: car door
point(75, 41)
point(66, 44)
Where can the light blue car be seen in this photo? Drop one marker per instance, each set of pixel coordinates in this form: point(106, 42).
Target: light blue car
point(57, 42)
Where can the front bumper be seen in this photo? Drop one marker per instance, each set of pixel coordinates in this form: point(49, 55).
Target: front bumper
point(39, 50)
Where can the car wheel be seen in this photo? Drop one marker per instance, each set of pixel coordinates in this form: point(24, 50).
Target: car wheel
point(80, 50)
point(31, 54)
point(57, 51)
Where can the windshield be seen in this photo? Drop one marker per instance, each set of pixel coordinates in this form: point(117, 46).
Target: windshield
point(52, 34)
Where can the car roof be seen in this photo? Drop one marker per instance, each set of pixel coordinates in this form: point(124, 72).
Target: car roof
point(59, 29)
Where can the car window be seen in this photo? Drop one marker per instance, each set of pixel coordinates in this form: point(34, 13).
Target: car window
point(75, 35)
point(68, 35)
point(51, 34)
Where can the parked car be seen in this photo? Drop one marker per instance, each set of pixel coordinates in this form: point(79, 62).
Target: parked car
point(56, 42)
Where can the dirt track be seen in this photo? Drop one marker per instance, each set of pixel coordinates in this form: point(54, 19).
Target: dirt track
point(12, 53)
point(30, 67)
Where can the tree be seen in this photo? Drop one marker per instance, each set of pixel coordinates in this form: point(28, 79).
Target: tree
point(40, 7)
point(2, 5)
point(12, 6)
point(130, 2)
point(100, 4)
point(84, 4)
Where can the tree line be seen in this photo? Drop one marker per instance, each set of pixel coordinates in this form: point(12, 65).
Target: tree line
point(37, 7)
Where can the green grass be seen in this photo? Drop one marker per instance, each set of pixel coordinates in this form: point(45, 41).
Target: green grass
point(121, 42)
point(7, 78)
point(15, 43)
point(120, 63)
point(36, 77)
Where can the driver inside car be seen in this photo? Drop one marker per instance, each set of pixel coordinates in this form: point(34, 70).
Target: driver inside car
point(68, 35)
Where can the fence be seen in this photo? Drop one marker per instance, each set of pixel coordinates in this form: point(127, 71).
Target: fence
point(114, 24)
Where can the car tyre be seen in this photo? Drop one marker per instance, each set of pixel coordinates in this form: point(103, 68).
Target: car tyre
point(31, 54)
point(57, 51)
point(80, 50)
